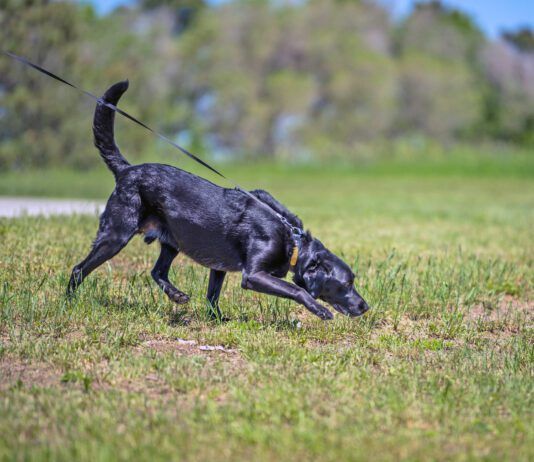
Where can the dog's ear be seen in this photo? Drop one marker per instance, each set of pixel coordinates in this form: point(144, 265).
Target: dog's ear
point(315, 277)
point(315, 283)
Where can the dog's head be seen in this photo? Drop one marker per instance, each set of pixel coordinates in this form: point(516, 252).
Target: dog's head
point(326, 277)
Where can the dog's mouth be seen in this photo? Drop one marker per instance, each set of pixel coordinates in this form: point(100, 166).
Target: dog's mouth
point(341, 309)
point(355, 311)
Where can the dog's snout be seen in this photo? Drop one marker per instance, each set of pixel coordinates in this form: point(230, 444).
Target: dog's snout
point(359, 309)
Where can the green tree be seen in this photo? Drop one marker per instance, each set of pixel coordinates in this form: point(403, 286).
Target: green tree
point(522, 39)
point(438, 99)
point(440, 93)
point(44, 31)
point(280, 77)
point(183, 11)
point(510, 74)
point(46, 123)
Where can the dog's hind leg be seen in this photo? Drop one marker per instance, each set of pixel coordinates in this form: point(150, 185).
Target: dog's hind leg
point(118, 224)
point(160, 274)
point(214, 291)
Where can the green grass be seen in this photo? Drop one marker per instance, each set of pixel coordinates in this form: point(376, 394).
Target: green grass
point(401, 160)
point(440, 369)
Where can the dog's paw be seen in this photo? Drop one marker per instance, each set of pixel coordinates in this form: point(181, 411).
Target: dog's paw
point(179, 298)
point(323, 313)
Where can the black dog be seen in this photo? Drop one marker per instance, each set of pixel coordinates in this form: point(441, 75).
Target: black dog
point(222, 229)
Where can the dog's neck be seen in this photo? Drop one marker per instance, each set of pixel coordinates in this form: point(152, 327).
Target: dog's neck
point(297, 237)
point(300, 248)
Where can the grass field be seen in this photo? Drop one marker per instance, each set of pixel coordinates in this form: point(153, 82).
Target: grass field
point(440, 369)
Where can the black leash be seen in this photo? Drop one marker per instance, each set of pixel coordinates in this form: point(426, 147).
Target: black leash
point(295, 232)
point(114, 108)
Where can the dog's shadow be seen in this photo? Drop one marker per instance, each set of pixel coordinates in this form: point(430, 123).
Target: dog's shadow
point(120, 303)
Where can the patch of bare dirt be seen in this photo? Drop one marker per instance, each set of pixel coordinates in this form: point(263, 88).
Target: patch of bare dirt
point(13, 371)
point(507, 309)
point(193, 348)
point(151, 385)
point(503, 319)
point(4, 339)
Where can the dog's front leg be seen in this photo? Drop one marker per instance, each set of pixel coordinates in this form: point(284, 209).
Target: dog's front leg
point(263, 282)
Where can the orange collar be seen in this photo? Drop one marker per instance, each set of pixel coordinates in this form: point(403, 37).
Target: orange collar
point(294, 256)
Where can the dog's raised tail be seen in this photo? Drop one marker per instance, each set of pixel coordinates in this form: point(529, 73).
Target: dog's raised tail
point(103, 129)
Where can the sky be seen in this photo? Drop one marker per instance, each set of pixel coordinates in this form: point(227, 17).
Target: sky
point(491, 15)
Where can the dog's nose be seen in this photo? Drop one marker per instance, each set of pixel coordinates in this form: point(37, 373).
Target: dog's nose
point(359, 309)
point(363, 307)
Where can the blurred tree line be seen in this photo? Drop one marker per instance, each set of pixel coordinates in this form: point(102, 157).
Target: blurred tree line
point(307, 79)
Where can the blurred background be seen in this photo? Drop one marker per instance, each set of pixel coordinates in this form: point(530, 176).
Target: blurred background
point(294, 82)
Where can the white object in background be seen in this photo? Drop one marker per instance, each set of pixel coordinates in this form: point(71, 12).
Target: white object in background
point(20, 206)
